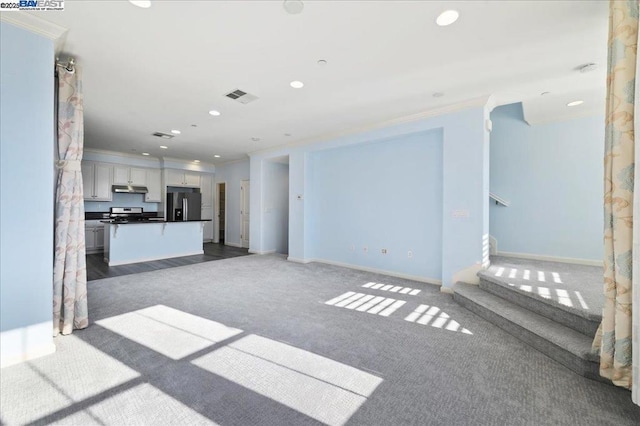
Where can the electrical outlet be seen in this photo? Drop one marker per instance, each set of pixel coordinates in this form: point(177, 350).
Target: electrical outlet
point(365, 249)
point(410, 254)
point(384, 251)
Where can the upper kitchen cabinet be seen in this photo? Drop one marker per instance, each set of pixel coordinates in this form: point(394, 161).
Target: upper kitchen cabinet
point(96, 178)
point(123, 175)
point(183, 178)
point(206, 189)
point(154, 185)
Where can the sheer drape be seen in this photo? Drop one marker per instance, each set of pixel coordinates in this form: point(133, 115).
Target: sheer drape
point(69, 273)
point(614, 337)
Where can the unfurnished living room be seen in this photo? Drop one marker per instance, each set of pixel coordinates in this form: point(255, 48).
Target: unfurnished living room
point(319, 212)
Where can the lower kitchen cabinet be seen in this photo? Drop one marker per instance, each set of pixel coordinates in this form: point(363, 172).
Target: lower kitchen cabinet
point(207, 231)
point(94, 236)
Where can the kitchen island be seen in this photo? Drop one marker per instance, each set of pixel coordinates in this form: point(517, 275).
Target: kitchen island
point(134, 242)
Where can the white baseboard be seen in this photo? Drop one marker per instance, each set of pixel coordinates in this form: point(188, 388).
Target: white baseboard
point(26, 343)
point(374, 270)
point(447, 290)
point(150, 259)
point(262, 252)
point(298, 260)
point(229, 243)
point(552, 258)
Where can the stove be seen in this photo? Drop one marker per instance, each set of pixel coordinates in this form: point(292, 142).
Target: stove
point(127, 214)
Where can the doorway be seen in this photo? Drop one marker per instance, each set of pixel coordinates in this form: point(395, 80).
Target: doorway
point(244, 213)
point(221, 213)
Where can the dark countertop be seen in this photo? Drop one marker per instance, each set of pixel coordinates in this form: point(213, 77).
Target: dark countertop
point(105, 215)
point(153, 221)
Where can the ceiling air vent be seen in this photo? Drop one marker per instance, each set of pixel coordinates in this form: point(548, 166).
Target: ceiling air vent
point(163, 135)
point(241, 96)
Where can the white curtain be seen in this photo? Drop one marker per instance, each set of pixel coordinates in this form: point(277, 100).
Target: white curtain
point(69, 271)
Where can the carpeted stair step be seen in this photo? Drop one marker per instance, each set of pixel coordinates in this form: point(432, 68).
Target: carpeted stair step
point(582, 321)
point(563, 344)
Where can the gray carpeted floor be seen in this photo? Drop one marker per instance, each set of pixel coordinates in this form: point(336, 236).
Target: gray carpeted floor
point(258, 340)
point(577, 287)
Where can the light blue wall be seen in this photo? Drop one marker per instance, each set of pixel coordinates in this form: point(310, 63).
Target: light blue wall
point(276, 207)
point(552, 175)
point(232, 174)
point(121, 200)
point(464, 189)
point(379, 195)
point(27, 182)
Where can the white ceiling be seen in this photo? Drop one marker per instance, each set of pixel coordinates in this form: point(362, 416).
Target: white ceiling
point(163, 68)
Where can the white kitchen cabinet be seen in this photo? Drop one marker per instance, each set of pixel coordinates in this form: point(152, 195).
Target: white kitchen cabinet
point(206, 189)
point(183, 178)
point(154, 185)
point(96, 178)
point(123, 175)
point(207, 232)
point(94, 236)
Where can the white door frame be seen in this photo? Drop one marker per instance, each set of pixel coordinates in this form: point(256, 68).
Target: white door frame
point(216, 212)
point(242, 186)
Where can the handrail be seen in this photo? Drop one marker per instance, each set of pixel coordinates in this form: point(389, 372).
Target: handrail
point(499, 200)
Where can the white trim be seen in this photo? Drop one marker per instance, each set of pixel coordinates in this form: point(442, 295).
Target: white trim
point(34, 24)
point(243, 188)
point(447, 290)
point(434, 112)
point(224, 163)
point(154, 162)
point(552, 258)
point(26, 343)
point(499, 200)
point(374, 270)
point(262, 252)
point(298, 260)
point(227, 243)
point(149, 259)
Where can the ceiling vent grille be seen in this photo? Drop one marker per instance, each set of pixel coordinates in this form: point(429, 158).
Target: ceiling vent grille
point(163, 135)
point(241, 96)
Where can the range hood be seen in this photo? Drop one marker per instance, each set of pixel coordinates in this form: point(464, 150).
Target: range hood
point(129, 189)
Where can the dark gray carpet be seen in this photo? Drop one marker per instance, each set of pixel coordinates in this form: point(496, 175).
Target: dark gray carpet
point(252, 341)
point(577, 288)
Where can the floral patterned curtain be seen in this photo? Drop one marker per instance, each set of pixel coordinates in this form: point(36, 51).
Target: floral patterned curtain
point(614, 337)
point(69, 271)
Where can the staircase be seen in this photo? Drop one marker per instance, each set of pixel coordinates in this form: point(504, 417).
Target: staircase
point(551, 306)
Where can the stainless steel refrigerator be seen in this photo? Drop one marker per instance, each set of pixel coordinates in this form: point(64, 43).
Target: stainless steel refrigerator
point(184, 206)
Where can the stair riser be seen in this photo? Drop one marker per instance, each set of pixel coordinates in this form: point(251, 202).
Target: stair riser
point(580, 366)
point(578, 323)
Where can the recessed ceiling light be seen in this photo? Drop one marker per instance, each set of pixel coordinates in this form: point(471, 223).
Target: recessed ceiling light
point(214, 112)
point(322, 62)
point(176, 132)
point(438, 95)
point(575, 103)
point(297, 84)
point(216, 156)
point(447, 17)
point(255, 139)
point(145, 153)
point(194, 125)
point(293, 6)
point(164, 147)
point(544, 93)
point(196, 161)
point(141, 3)
point(287, 134)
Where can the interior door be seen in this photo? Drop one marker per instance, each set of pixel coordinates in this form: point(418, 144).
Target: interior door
point(244, 212)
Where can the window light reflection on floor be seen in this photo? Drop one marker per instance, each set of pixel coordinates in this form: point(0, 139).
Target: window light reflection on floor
point(434, 317)
point(383, 306)
point(171, 332)
point(321, 388)
point(391, 288)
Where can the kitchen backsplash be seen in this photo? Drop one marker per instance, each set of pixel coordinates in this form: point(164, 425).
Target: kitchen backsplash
point(121, 200)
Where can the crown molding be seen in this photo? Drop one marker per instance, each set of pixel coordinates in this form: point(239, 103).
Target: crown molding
point(37, 25)
point(481, 101)
point(150, 159)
